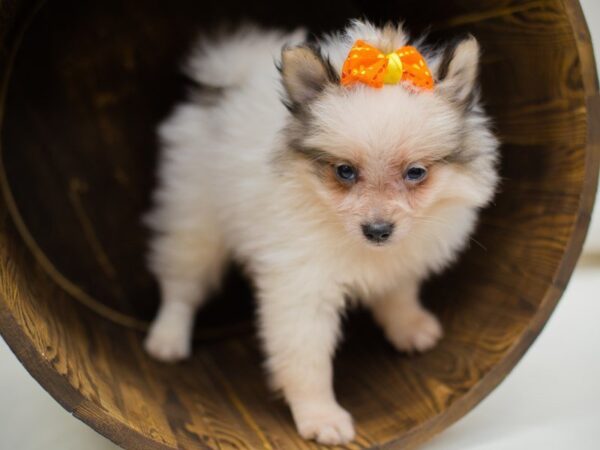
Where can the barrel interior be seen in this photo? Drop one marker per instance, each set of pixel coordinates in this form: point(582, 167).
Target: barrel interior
point(91, 80)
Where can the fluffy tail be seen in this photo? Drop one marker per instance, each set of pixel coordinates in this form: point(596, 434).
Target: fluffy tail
point(229, 59)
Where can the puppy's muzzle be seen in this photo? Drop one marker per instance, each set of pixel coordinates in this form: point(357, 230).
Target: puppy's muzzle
point(378, 232)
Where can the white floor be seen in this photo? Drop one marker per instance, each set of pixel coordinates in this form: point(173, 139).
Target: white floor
point(31, 420)
point(550, 401)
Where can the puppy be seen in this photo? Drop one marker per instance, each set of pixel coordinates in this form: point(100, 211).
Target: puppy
point(328, 188)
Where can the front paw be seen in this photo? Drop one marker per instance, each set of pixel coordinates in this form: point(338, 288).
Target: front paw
point(417, 333)
point(326, 423)
point(168, 342)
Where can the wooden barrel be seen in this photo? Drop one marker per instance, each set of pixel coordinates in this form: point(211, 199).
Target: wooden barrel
point(83, 85)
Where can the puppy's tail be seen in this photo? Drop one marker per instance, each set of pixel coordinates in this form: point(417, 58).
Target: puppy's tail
point(230, 59)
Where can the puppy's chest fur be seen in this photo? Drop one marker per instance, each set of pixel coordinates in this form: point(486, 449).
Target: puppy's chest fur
point(321, 255)
point(365, 278)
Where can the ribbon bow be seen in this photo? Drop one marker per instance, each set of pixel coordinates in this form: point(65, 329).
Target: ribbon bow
point(366, 64)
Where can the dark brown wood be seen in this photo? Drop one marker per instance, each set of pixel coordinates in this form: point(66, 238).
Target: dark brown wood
point(83, 85)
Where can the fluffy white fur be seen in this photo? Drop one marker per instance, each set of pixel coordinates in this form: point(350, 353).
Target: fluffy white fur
point(233, 185)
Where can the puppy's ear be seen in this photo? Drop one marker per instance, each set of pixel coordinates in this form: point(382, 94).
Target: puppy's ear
point(458, 72)
point(305, 73)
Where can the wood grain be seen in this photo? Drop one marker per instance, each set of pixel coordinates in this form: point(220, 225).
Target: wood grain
point(83, 85)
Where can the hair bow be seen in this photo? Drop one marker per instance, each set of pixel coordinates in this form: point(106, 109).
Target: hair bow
point(366, 64)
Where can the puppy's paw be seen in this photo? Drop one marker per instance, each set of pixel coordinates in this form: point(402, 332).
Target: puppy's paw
point(327, 424)
point(168, 343)
point(419, 333)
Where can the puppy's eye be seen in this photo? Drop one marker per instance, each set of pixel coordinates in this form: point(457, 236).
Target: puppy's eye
point(415, 174)
point(346, 173)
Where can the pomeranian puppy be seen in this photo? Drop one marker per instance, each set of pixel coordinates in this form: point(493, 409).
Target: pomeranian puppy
point(334, 173)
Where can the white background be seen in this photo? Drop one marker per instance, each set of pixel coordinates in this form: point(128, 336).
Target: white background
point(551, 401)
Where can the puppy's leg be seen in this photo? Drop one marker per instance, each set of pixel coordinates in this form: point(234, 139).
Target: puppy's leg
point(299, 327)
point(407, 325)
point(188, 265)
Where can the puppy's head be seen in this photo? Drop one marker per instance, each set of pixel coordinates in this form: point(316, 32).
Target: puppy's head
point(384, 160)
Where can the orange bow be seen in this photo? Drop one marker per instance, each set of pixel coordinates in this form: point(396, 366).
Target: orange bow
point(366, 64)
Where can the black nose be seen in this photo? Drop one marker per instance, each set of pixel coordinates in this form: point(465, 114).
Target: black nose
point(378, 231)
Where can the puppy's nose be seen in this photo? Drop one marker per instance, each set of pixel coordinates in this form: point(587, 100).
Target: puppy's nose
point(379, 231)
